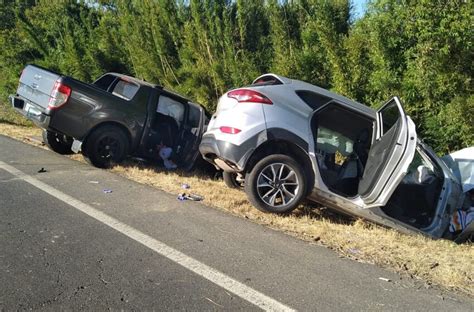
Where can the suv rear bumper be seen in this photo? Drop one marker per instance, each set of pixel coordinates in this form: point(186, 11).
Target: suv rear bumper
point(227, 156)
point(30, 111)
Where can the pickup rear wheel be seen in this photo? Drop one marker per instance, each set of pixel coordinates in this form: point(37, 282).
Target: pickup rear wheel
point(276, 183)
point(59, 143)
point(106, 146)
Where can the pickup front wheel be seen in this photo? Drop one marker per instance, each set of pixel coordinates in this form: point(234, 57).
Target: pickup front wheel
point(106, 146)
point(59, 143)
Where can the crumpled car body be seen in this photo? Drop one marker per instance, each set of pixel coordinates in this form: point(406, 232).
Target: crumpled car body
point(461, 164)
point(285, 140)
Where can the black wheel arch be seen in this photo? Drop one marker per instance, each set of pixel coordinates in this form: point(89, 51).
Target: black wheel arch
point(290, 145)
point(132, 145)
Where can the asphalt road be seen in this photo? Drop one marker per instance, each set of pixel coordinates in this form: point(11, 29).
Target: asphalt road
point(67, 245)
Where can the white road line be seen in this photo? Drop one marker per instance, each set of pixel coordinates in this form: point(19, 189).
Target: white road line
point(243, 291)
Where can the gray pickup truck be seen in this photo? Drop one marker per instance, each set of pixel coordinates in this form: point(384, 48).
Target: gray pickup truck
point(113, 117)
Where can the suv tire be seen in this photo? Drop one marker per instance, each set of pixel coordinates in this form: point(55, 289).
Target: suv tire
point(59, 143)
point(276, 183)
point(230, 179)
point(106, 146)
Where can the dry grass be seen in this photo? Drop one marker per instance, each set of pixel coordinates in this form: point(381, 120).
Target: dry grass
point(438, 262)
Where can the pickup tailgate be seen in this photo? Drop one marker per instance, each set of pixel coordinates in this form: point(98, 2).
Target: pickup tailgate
point(36, 85)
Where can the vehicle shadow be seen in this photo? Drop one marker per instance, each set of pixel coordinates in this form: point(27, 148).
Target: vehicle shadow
point(206, 173)
point(319, 212)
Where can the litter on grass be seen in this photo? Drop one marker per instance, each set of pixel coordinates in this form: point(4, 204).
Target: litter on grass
point(193, 197)
point(107, 191)
point(185, 186)
point(94, 182)
point(42, 170)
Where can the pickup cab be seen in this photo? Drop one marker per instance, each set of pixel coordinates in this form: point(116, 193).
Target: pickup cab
point(113, 117)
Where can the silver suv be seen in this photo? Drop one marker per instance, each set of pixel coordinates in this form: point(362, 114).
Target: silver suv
point(285, 140)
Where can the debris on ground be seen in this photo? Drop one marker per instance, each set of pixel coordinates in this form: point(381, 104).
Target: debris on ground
point(107, 191)
point(42, 170)
point(193, 197)
point(185, 186)
point(140, 160)
point(94, 182)
point(385, 279)
point(434, 265)
point(353, 251)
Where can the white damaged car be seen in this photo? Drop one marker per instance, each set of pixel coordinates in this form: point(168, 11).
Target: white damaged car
point(285, 140)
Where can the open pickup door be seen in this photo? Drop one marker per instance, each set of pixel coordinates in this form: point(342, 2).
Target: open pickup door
point(391, 153)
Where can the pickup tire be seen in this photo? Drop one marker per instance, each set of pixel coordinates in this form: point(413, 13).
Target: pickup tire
point(106, 146)
point(59, 143)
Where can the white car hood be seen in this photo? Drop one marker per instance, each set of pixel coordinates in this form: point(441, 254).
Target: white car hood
point(461, 164)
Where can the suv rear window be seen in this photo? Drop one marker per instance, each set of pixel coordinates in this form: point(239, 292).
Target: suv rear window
point(313, 99)
point(124, 89)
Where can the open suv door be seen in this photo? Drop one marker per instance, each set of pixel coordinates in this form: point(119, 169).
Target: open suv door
point(391, 153)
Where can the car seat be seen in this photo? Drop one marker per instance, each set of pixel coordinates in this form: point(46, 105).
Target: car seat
point(352, 168)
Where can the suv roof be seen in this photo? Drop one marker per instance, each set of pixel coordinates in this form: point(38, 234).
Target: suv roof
point(271, 79)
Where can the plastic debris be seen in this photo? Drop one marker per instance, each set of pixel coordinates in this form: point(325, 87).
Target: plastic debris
point(354, 251)
point(385, 279)
point(193, 197)
point(185, 186)
point(42, 170)
point(94, 182)
point(107, 191)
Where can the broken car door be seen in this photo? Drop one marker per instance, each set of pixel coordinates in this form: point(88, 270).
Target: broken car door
point(193, 129)
point(391, 153)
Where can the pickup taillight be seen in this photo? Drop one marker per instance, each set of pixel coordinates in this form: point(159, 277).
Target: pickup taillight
point(59, 95)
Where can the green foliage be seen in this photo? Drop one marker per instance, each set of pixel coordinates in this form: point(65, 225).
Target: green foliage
point(419, 50)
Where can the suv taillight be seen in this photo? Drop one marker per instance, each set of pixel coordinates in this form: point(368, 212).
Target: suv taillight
point(229, 130)
point(246, 95)
point(59, 95)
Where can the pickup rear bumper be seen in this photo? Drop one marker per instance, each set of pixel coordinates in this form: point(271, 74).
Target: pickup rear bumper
point(30, 111)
